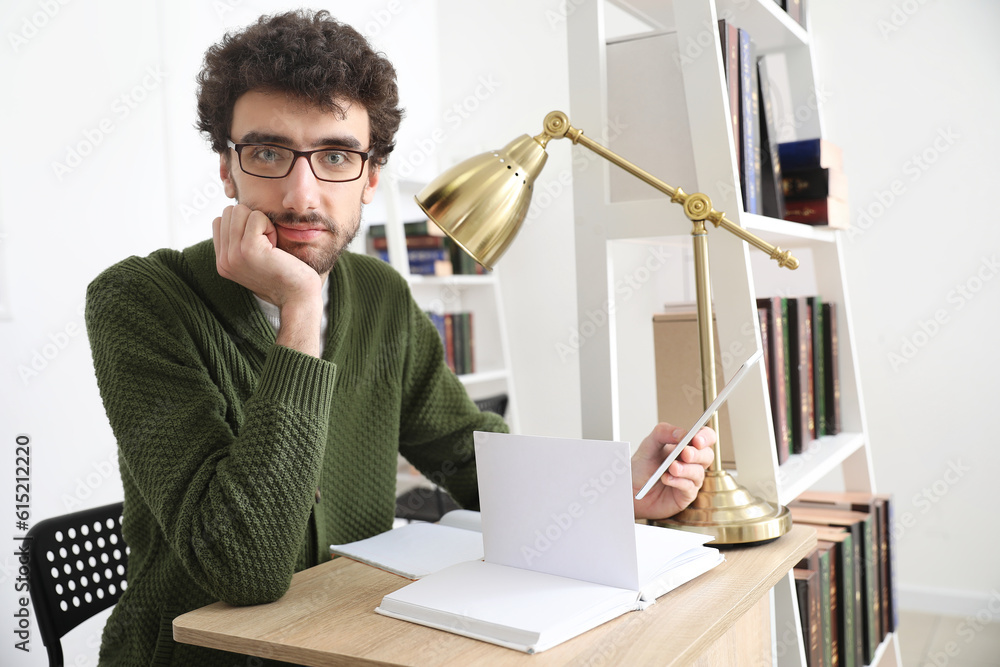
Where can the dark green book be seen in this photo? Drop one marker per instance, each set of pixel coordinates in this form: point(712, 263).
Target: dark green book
point(818, 561)
point(819, 365)
point(845, 602)
point(830, 367)
point(807, 591)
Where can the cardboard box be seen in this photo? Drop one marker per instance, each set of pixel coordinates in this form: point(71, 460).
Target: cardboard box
point(678, 376)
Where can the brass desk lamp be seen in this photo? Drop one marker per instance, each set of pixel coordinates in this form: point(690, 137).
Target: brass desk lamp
point(481, 204)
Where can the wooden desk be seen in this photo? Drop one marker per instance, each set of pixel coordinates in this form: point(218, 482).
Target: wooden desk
point(327, 618)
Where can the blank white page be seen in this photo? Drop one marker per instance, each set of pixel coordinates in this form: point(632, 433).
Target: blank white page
point(558, 505)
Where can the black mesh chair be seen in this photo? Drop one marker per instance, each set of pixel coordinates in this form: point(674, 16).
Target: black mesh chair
point(497, 404)
point(77, 569)
point(430, 504)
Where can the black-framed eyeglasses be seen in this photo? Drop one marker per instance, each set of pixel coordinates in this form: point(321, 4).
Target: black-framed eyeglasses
point(334, 165)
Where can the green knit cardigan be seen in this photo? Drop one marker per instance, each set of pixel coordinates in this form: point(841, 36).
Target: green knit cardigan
point(242, 460)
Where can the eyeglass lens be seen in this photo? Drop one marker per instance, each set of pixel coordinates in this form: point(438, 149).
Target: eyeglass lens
point(276, 162)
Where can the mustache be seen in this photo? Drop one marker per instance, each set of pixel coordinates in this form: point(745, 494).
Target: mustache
point(290, 218)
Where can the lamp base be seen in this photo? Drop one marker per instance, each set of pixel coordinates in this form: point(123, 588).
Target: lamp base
point(727, 511)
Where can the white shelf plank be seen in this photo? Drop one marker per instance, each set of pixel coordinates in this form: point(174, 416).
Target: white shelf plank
point(786, 233)
point(483, 377)
point(801, 471)
point(453, 281)
point(770, 27)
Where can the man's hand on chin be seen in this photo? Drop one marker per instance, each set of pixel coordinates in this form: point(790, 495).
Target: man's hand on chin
point(246, 252)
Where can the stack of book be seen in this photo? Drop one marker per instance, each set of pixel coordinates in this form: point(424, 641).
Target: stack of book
point(846, 586)
point(813, 183)
point(426, 247)
point(455, 330)
point(799, 335)
point(429, 251)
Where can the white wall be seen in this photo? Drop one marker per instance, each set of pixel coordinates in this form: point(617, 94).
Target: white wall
point(912, 100)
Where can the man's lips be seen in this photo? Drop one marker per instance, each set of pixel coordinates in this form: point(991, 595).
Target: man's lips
point(300, 233)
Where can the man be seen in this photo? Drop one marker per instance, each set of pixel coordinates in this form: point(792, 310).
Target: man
point(261, 384)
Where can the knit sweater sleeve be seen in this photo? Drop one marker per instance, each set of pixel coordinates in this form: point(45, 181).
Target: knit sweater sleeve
point(232, 505)
point(439, 418)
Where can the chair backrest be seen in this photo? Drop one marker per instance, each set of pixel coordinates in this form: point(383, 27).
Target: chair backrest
point(77, 569)
point(497, 404)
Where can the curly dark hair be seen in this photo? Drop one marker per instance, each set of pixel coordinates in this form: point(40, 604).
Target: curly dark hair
point(307, 55)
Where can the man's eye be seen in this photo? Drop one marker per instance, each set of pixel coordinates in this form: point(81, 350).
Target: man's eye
point(266, 154)
point(334, 158)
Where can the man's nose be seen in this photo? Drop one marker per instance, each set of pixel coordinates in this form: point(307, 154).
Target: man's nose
point(301, 187)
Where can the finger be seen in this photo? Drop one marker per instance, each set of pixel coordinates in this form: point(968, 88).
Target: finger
point(651, 446)
point(685, 487)
point(258, 224)
point(705, 437)
point(237, 229)
point(691, 471)
point(216, 225)
point(701, 457)
point(222, 245)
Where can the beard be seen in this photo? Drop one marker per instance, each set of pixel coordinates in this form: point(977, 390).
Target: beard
point(321, 256)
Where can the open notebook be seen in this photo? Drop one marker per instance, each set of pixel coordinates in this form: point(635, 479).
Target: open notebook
point(562, 551)
point(418, 549)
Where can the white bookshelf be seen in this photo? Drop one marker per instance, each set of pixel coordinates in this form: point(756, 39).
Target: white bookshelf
point(477, 294)
point(659, 98)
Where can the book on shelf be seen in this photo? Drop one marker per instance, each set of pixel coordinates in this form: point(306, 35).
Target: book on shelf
point(456, 333)
point(750, 145)
point(807, 590)
point(729, 37)
point(818, 561)
point(862, 528)
point(831, 362)
point(800, 345)
point(814, 183)
point(420, 242)
point(410, 228)
point(776, 314)
point(815, 304)
point(772, 187)
point(809, 154)
point(418, 549)
point(795, 11)
point(560, 556)
point(828, 212)
point(831, 639)
point(843, 593)
point(677, 361)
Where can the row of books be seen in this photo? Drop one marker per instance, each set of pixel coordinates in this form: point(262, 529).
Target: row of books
point(429, 252)
point(846, 587)
point(456, 334)
point(799, 336)
point(802, 181)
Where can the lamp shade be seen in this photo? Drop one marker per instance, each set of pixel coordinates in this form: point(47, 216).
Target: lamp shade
point(481, 202)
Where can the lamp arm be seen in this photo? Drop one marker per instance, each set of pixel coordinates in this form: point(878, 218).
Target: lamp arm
point(697, 206)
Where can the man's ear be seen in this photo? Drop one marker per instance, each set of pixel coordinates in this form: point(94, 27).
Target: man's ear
point(225, 173)
point(371, 183)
